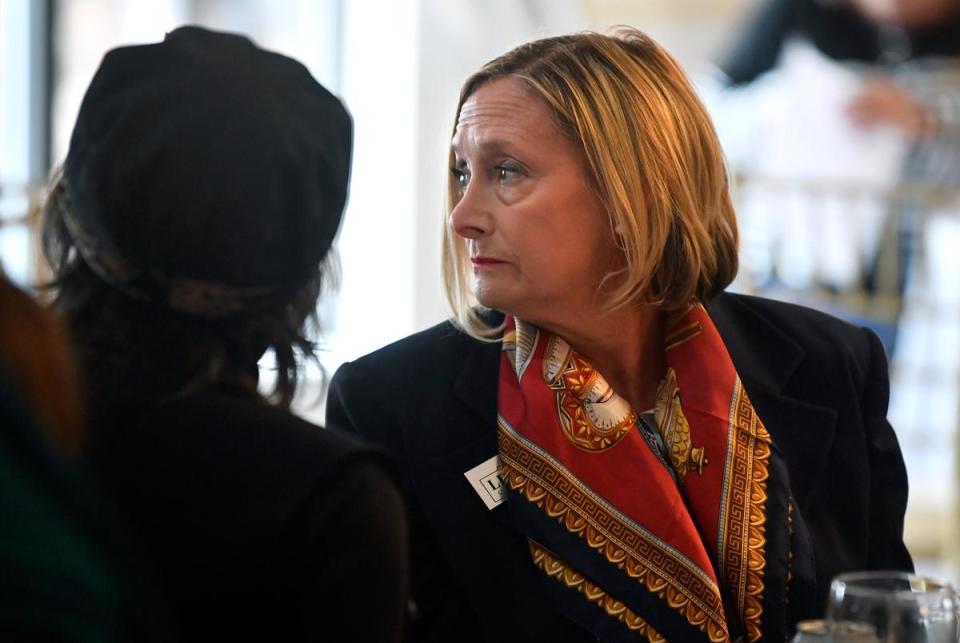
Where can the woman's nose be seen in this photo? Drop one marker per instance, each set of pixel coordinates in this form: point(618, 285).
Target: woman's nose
point(469, 218)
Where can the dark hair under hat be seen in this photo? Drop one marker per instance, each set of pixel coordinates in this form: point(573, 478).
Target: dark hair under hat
point(205, 172)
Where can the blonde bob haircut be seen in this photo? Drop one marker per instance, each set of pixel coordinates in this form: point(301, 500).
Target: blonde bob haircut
point(650, 153)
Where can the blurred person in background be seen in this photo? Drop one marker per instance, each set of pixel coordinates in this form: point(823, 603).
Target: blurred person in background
point(602, 444)
point(190, 233)
point(39, 362)
point(883, 33)
point(906, 56)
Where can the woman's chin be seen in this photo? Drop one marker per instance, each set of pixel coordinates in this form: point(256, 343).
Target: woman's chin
point(490, 298)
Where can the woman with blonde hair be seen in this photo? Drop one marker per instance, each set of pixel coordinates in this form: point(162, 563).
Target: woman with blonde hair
point(602, 444)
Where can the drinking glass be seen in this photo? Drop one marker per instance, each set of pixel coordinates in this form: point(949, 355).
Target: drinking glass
point(821, 631)
point(903, 608)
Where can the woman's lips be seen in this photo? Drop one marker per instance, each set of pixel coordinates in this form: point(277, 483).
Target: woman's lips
point(485, 262)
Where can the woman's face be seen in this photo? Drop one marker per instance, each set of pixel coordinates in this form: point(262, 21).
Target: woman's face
point(539, 239)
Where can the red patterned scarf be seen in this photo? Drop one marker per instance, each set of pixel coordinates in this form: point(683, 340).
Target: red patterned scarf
point(688, 541)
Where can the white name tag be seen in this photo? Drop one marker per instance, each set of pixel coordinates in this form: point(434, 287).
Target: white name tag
point(486, 481)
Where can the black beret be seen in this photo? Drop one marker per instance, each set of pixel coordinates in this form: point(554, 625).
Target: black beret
point(206, 160)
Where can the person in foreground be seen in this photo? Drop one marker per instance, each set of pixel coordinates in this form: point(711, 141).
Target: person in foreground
point(188, 234)
point(66, 572)
point(610, 446)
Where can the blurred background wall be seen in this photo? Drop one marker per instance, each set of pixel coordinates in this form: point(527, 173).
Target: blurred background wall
point(814, 195)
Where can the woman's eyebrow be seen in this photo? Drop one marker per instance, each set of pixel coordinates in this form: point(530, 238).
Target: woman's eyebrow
point(487, 146)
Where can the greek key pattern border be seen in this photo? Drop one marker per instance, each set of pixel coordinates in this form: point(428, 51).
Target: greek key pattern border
point(556, 568)
point(550, 489)
point(744, 517)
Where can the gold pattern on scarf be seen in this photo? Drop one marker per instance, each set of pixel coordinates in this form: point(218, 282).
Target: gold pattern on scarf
point(790, 552)
point(652, 564)
point(675, 429)
point(683, 335)
point(519, 345)
point(556, 568)
point(593, 416)
point(743, 518)
point(509, 348)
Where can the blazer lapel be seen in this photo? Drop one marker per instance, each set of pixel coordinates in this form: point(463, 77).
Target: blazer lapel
point(476, 389)
point(766, 360)
point(476, 384)
point(468, 436)
point(487, 553)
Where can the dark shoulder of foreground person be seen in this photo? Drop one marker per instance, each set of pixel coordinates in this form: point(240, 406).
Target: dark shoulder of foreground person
point(310, 513)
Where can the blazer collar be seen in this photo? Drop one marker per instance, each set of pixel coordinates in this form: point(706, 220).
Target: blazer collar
point(765, 357)
point(767, 361)
point(476, 383)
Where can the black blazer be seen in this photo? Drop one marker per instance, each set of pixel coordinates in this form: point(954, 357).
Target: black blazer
point(820, 385)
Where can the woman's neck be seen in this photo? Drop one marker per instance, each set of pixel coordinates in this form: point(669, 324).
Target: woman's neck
point(626, 346)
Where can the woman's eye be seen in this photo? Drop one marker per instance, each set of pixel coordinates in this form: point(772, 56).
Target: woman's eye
point(507, 172)
point(459, 176)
